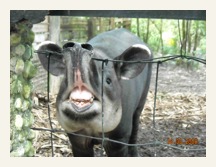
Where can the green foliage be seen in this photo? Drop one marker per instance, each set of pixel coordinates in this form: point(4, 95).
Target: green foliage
point(173, 37)
point(168, 30)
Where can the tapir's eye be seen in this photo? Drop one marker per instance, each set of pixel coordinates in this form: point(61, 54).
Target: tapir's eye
point(108, 80)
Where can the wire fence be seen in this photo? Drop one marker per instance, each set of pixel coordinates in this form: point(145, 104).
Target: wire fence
point(158, 61)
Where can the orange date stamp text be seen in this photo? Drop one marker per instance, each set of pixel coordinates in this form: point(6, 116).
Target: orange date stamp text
point(185, 141)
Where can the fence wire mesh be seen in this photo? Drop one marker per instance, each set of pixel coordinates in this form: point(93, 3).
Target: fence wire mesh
point(158, 61)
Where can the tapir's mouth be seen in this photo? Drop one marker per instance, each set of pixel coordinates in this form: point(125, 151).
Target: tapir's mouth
point(81, 99)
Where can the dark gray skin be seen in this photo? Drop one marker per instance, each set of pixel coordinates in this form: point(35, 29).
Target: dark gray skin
point(79, 101)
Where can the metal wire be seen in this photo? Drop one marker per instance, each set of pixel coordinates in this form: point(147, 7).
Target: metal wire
point(102, 79)
point(155, 97)
point(48, 90)
point(155, 143)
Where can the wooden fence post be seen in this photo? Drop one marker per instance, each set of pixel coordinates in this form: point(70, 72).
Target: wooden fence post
point(54, 31)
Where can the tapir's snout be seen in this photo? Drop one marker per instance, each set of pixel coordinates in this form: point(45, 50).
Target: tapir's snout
point(77, 59)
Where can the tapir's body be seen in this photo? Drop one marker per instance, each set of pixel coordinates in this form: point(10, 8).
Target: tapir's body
point(79, 102)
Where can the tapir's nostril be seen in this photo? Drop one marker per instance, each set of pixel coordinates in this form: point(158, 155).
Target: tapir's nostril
point(87, 46)
point(68, 45)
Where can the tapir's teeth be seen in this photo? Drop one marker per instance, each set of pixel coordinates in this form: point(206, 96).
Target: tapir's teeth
point(81, 101)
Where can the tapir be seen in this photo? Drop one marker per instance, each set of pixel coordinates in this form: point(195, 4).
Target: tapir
point(100, 101)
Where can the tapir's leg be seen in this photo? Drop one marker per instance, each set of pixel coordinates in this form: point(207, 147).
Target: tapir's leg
point(116, 150)
point(135, 126)
point(132, 151)
point(81, 147)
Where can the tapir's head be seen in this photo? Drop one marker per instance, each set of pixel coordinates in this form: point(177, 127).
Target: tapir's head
point(79, 101)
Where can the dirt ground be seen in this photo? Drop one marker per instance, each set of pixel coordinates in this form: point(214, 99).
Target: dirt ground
point(177, 130)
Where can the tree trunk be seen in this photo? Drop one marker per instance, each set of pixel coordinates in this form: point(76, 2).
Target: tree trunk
point(161, 37)
point(91, 28)
point(147, 31)
point(22, 70)
point(138, 28)
point(184, 38)
point(189, 36)
point(160, 30)
point(111, 23)
point(196, 38)
point(101, 27)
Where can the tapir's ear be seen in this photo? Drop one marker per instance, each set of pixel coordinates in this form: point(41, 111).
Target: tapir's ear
point(56, 65)
point(134, 53)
